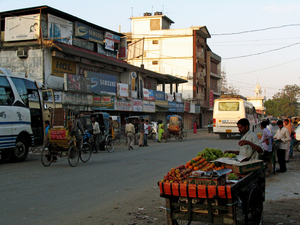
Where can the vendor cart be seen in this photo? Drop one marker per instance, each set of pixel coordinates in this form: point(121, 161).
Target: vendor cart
point(232, 203)
point(175, 128)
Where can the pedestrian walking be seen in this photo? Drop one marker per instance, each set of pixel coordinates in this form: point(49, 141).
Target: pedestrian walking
point(96, 134)
point(141, 129)
point(146, 132)
point(282, 135)
point(129, 131)
point(161, 130)
point(287, 124)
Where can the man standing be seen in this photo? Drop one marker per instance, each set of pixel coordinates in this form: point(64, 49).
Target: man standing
point(146, 132)
point(96, 133)
point(266, 140)
point(282, 135)
point(76, 126)
point(290, 128)
point(129, 131)
point(250, 145)
point(141, 129)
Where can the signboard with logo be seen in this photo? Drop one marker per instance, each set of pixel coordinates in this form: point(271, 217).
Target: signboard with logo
point(186, 106)
point(123, 49)
point(148, 106)
point(112, 37)
point(101, 50)
point(26, 27)
point(122, 90)
point(60, 29)
point(179, 107)
point(168, 97)
point(173, 106)
point(88, 33)
point(197, 108)
point(109, 45)
point(80, 99)
point(77, 83)
point(159, 95)
point(148, 94)
point(211, 98)
point(123, 104)
point(137, 105)
point(59, 67)
point(104, 102)
point(102, 83)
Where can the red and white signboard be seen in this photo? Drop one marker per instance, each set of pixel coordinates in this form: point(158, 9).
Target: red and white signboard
point(122, 90)
point(137, 105)
point(169, 97)
point(211, 99)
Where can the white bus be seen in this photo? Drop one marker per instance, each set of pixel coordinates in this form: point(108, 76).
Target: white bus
point(21, 118)
point(228, 110)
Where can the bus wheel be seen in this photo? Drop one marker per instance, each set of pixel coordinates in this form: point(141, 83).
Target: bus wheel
point(20, 150)
point(223, 136)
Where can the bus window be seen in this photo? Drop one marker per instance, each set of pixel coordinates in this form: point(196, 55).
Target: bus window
point(229, 106)
point(6, 94)
point(21, 88)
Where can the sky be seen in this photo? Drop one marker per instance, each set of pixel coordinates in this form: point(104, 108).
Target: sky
point(258, 40)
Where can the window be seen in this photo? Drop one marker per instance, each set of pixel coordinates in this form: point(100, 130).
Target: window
point(155, 42)
point(154, 62)
point(21, 88)
point(6, 94)
point(229, 106)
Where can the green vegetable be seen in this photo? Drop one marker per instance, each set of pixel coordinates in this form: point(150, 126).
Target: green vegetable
point(232, 176)
point(226, 154)
point(231, 155)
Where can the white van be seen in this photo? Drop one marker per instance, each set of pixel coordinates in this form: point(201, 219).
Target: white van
point(21, 120)
point(228, 110)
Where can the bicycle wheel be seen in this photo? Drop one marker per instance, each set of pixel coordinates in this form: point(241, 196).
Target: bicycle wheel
point(180, 137)
point(117, 138)
point(122, 138)
point(46, 158)
point(184, 135)
point(86, 152)
point(109, 145)
point(73, 156)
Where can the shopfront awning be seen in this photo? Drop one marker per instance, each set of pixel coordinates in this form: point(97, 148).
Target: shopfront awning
point(163, 106)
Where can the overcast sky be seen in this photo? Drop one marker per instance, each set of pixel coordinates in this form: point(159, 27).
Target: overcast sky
point(268, 52)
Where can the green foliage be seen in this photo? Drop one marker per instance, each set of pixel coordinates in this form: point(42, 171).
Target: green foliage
point(232, 176)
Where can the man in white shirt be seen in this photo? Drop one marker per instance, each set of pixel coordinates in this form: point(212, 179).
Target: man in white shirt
point(146, 132)
point(266, 141)
point(250, 145)
point(96, 133)
point(282, 135)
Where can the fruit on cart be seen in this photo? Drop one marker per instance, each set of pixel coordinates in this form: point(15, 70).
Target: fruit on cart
point(231, 155)
point(232, 176)
point(210, 154)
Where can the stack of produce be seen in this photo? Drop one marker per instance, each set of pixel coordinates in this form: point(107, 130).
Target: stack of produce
point(259, 135)
point(229, 155)
point(178, 175)
point(210, 154)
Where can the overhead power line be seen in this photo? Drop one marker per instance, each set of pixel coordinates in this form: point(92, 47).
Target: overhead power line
point(251, 31)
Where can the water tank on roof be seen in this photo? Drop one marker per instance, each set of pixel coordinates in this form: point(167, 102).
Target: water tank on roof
point(157, 13)
point(147, 14)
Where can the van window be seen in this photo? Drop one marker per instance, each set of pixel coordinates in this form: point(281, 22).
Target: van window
point(229, 106)
point(21, 88)
point(6, 94)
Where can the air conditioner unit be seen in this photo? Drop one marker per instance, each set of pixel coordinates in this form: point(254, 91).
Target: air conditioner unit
point(22, 53)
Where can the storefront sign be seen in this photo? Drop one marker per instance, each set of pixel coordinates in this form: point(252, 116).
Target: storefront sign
point(79, 99)
point(148, 106)
point(77, 83)
point(137, 105)
point(197, 108)
point(211, 98)
point(59, 67)
point(88, 33)
point(123, 49)
point(123, 104)
point(148, 94)
point(186, 106)
point(35, 98)
point(122, 90)
point(26, 27)
point(104, 102)
point(173, 105)
point(102, 83)
point(109, 45)
point(159, 95)
point(179, 107)
point(168, 97)
point(101, 50)
point(178, 97)
point(192, 108)
point(60, 29)
point(112, 37)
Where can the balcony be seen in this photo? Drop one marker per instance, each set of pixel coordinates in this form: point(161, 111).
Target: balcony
point(216, 73)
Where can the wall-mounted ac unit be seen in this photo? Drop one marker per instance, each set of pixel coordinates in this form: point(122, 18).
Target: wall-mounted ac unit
point(22, 53)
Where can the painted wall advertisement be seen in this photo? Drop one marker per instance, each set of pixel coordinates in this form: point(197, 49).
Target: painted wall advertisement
point(60, 29)
point(137, 105)
point(102, 83)
point(77, 83)
point(173, 106)
point(59, 67)
point(80, 99)
point(148, 106)
point(104, 102)
point(88, 33)
point(25, 27)
point(123, 104)
point(122, 90)
point(148, 94)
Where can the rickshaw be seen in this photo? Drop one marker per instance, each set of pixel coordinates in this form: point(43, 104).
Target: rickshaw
point(175, 128)
point(106, 138)
point(60, 142)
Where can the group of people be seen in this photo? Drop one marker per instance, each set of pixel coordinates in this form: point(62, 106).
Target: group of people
point(252, 147)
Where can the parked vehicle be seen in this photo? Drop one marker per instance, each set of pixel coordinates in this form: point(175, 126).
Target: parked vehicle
point(273, 120)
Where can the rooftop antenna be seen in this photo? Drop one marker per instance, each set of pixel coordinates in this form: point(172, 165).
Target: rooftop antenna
point(131, 11)
point(163, 10)
point(152, 11)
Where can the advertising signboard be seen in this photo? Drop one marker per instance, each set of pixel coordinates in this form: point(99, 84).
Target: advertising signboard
point(77, 83)
point(137, 105)
point(148, 106)
point(59, 67)
point(80, 99)
point(186, 106)
point(109, 45)
point(211, 98)
point(102, 83)
point(148, 94)
point(122, 90)
point(197, 108)
point(88, 33)
point(159, 95)
point(123, 104)
point(104, 102)
point(178, 97)
point(112, 37)
point(123, 49)
point(179, 107)
point(60, 29)
point(192, 108)
point(19, 28)
point(168, 97)
point(173, 106)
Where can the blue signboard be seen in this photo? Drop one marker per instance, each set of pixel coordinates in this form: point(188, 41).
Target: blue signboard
point(179, 106)
point(88, 33)
point(159, 95)
point(173, 105)
point(151, 94)
point(103, 83)
point(197, 108)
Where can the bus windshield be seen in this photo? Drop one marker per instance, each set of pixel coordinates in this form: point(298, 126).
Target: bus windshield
point(229, 106)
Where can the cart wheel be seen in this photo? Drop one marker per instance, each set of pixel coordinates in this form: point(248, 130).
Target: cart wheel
point(184, 135)
point(73, 156)
point(109, 145)
point(46, 157)
point(255, 206)
point(86, 152)
point(180, 137)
